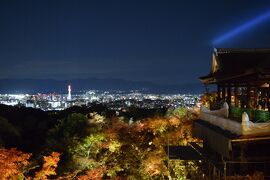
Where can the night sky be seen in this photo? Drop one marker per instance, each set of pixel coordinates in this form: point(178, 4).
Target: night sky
point(165, 42)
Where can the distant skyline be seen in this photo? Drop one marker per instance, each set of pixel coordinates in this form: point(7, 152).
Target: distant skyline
point(164, 42)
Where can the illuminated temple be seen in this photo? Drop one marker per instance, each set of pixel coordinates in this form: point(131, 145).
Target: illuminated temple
point(242, 77)
point(234, 125)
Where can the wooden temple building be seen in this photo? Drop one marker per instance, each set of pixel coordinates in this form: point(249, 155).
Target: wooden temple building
point(242, 77)
point(237, 144)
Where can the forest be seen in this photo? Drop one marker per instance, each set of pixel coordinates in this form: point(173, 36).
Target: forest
point(93, 143)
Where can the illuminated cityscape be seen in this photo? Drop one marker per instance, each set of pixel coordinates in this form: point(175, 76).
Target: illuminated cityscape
point(114, 100)
point(135, 89)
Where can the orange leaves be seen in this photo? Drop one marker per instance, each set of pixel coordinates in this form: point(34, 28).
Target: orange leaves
point(111, 133)
point(157, 125)
point(93, 174)
point(49, 166)
point(154, 164)
point(117, 124)
point(12, 163)
point(175, 122)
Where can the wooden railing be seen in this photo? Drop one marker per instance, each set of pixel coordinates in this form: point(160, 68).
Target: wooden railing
point(244, 127)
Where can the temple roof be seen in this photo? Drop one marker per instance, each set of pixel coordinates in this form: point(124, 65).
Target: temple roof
point(237, 64)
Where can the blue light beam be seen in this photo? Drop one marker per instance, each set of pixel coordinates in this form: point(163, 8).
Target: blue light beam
point(242, 28)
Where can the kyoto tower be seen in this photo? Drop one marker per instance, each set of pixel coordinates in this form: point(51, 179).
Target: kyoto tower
point(69, 93)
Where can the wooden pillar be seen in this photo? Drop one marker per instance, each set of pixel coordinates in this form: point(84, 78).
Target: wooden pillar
point(225, 170)
point(255, 106)
point(236, 96)
point(268, 102)
point(229, 94)
point(218, 92)
point(248, 96)
point(268, 98)
point(223, 91)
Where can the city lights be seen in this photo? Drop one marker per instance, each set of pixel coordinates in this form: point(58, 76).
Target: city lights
point(115, 100)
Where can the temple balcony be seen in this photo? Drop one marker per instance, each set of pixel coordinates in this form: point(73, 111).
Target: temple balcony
point(236, 137)
point(226, 136)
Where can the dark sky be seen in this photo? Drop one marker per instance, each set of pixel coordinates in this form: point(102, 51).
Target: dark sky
point(159, 41)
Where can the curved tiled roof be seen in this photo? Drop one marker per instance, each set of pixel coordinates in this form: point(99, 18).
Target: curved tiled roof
point(240, 62)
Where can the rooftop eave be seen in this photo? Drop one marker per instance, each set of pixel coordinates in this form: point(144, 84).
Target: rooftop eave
point(208, 80)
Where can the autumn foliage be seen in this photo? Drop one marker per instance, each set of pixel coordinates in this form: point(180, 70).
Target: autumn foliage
point(12, 163)
point(95, 147)
point(49, 166)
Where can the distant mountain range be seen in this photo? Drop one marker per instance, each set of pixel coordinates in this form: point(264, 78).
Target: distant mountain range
point(33, 86)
